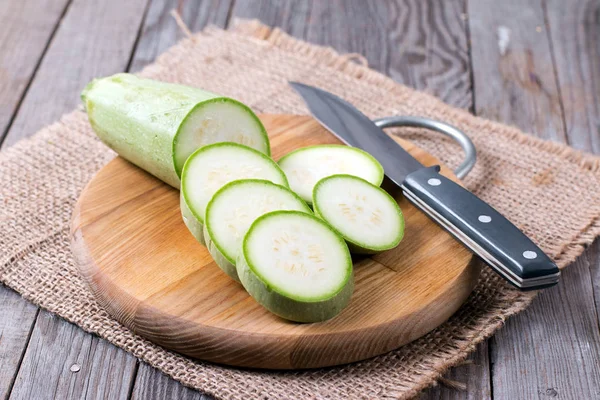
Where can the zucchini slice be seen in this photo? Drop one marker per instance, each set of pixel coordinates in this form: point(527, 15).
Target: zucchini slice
point(157, 125)
point(306, 166)
point(234, 208)
point(296, 266)
point(366, 216)
point(210, 167)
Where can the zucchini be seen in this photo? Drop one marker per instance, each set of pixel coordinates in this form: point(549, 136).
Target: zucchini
point(366, 216)
point(234, 208)
point(295, 266)
point(157, 125)
point(306, 166)
point(210, 167)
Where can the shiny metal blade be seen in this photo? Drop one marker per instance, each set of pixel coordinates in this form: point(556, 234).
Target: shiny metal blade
point(356, 129)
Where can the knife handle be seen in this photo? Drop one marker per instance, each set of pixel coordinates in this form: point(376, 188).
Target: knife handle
point(481, 228)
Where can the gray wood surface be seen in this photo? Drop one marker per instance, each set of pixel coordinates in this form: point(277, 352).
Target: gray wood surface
point(469, 381)
point(151, 384)
point(62, 362)
point(160, 31)
point(543, 78)
point(513, 75)
point(552, 349)
point(574, 29)
point(575, 36)
point(16, 322)
point(95, 38)
point(25, 30)
point(288, 15)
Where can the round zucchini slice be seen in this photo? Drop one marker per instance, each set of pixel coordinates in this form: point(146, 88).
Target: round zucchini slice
point(306, 166)
point(366, 216)
point(296, 266)
point(234, 208)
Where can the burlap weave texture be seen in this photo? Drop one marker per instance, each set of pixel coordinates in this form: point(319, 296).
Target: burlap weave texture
point(531, 181)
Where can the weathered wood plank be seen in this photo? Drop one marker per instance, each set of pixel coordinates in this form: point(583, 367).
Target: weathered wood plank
point(288, 15)
point(574, 29)
point(16, 322)
point(63, 362)
point(421, 44)
point(474, 374)
point(551, 349)
point(160, 30)
point(151, 384)
point(95, 38)
point(593, 255)
point(25, 29)
point(512, 67)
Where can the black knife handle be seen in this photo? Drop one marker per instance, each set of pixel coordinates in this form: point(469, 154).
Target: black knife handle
point(481, 228)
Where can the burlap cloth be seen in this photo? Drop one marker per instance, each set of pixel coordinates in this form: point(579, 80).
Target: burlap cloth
point(551, 191)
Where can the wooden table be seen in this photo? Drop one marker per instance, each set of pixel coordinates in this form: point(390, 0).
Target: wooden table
point(534, 64)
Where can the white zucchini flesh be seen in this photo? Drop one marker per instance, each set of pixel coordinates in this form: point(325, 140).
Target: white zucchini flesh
point(219, 120)
point(364, 214)
point(211, 167)
point(306, 166)
point(232, 210)
point(296, 266)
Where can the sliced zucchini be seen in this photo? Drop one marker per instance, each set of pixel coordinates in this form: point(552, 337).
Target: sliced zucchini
point(306, 166)
point(366, 216)
point(157, 125)
point(296, 266)
point(210, 167)
point(232, 210)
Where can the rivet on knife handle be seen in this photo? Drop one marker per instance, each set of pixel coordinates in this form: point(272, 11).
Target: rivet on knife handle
point(482, 229)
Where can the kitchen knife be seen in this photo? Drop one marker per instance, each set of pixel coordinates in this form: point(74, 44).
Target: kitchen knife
point(468, 218)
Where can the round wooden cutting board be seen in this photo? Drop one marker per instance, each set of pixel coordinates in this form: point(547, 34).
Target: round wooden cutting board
point(150, 274)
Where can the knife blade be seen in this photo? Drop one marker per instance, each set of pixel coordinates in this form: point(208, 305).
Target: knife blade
point(469, 219)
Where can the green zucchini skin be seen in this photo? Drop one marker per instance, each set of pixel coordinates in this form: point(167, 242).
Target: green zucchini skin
point(189, 219)
point(288, 308)
point(219, 258)
point(140, 119)
point(285, 306)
